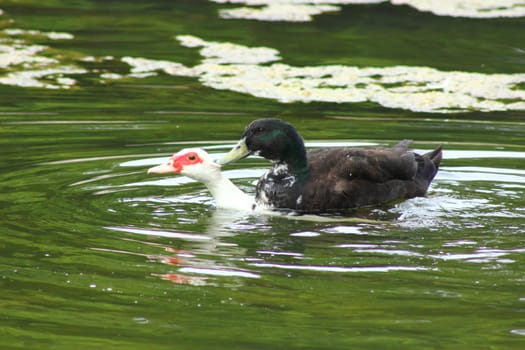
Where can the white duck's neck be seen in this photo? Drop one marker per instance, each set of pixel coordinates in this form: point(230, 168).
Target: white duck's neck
point(229, 196)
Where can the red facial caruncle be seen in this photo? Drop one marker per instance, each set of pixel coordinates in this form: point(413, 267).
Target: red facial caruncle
point(179, 161)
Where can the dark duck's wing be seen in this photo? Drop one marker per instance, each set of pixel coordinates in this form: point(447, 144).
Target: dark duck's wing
point(344, 178)
point(331, 179)
point(374, 164)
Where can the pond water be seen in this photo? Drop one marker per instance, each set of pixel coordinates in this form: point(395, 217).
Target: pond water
point(96, 253)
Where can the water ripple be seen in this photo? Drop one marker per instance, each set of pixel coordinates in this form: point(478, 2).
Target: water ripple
point(343, 268)
point(224, 272)
point(161, 233)
point(481, 255)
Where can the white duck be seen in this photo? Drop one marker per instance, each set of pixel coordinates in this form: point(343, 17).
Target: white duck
point(197, 164)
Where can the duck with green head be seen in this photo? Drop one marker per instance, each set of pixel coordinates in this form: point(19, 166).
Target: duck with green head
point(331, 179)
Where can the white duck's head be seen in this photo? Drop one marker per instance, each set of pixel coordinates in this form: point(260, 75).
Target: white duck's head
point(199, 165)
point(192, 162)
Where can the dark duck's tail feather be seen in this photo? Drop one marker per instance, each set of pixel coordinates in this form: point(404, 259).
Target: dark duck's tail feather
point(428, 165)
point(435, 156)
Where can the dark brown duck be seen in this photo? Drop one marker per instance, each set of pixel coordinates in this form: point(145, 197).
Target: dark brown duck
point(331, 179)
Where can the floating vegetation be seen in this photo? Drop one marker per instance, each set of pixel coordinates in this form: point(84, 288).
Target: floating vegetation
point(49, 35)
point(468, 8)
point(303, 10)
point(421, 89)
point(30, 65)
point(226, 53)
point(279, 12)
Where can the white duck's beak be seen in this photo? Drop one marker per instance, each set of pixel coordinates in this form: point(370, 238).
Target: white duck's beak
point(165, 168)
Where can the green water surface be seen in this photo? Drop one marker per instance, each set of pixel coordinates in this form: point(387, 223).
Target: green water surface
point(96, 254)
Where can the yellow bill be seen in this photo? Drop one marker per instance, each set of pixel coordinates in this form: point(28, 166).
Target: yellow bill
point(239, 151)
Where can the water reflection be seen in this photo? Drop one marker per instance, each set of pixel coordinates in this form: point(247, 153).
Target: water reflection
point(215, 255)
point(180, 258)
point(212, 257)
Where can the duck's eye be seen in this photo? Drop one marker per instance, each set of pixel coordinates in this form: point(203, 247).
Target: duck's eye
point(258, 130)
point(192, 157)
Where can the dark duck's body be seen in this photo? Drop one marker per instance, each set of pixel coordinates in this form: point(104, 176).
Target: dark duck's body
point(331, 179)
